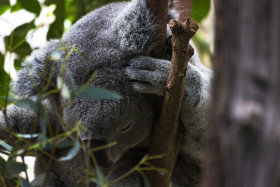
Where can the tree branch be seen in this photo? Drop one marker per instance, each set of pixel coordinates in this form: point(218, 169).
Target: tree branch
point(167, 134)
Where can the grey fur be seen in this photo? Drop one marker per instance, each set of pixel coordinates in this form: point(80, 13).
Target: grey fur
point(117, 40)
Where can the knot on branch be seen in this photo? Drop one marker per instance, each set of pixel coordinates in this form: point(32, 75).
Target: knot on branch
point(182, 33)
point(188, 28)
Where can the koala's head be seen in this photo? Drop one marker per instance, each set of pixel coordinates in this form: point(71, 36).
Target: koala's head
point(127, 122)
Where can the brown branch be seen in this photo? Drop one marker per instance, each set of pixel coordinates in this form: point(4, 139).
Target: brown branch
point(167, 133)
point(167, 136)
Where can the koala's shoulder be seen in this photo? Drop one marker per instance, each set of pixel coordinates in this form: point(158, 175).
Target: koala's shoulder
point(94, 23)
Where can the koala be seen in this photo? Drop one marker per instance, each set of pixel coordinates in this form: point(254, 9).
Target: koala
point(117, 40)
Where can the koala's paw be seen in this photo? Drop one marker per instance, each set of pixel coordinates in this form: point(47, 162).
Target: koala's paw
point(148, 74)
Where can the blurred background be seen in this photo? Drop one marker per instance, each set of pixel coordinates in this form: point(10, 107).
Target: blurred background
point(26, 25)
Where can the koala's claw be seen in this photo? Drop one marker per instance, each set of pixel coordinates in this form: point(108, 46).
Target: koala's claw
point(149, 75)
point(147, 88)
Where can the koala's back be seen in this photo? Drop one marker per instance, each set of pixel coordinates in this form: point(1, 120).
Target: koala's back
point(85, 31)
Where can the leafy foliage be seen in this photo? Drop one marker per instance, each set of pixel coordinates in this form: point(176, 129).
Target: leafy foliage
point(31, 6)
point(3, 80)
point(200, 9)
point(4, 6)
point(57, 27)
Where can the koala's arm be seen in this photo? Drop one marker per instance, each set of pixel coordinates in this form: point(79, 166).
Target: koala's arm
point(38, 71)
point(149, 76)
point(24, 120)
point(20, 120)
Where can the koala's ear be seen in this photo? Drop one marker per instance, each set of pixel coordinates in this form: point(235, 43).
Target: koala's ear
point(135, 28)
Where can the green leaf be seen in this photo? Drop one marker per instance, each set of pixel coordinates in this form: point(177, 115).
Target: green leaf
point(55, 56)
point(66, 143)
point(27, 136)
point(42, 120)
point(2, 163)
point(3, 81)
point(23, 49)
point(24, 182)
point(62, 86)
point(200, 9)
point(145, 179)
point(4, 2)
point(17, 64)
point(70, 77)
point(6, 146)
point(20, 152)
point(14, 168)
point(25, 103)
point(57, 27)
point(99, 175)
point(2, 60)
point(146, 182)
point(96, 93)
point(3, 8)
point(16, 7)
point(71, 153)
point(17, 39)
point(31, 6)
point(43, 138)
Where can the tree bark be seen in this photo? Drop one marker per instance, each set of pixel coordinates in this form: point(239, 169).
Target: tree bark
point(159, 9)
point(243, 134)
point(167, 135)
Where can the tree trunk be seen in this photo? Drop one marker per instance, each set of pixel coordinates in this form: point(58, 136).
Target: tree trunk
point(243, 134)
point(159, 8)
point(184, 7)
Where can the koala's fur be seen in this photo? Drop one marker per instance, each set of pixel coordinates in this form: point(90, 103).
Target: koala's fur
point(117, 40)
